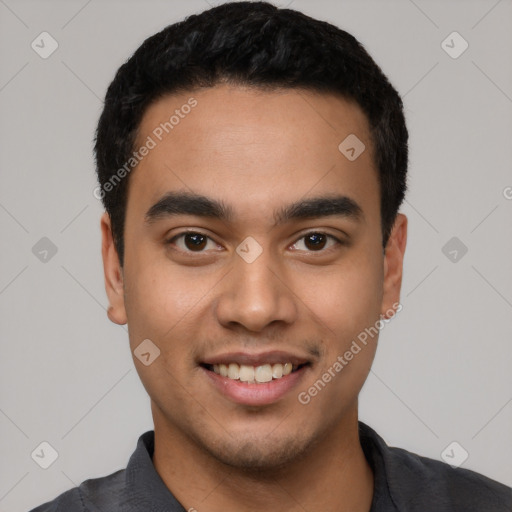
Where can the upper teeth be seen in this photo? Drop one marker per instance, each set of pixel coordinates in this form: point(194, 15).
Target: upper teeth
point(245, 373)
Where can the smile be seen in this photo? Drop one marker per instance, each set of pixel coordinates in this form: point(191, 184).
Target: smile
point(253, 374)
point(255, 379)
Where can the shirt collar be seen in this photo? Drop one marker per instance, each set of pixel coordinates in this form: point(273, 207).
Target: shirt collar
point(146, 490)
point(377, 454)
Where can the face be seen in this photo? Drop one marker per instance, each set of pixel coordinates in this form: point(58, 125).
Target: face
point(253, 248)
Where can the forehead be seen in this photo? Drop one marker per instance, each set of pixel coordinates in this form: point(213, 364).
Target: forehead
point(239, 144)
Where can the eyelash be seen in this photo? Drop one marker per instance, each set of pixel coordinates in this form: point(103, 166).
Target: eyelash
point(302, 237)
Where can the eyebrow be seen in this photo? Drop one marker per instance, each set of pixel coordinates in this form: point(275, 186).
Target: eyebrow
point(185, 203)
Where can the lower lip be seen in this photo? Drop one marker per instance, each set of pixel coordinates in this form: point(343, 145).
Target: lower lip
point(255, 394)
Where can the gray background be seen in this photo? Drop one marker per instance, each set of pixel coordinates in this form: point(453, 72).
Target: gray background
point(442, 371)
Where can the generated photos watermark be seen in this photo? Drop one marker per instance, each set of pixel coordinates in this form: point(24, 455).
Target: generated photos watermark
point(304, 397)
point(150, 143)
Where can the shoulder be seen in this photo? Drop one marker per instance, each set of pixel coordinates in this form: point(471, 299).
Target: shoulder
point(406, 481)
point(422, 481)
point(97, 494)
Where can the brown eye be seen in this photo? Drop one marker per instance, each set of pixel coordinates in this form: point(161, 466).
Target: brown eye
point(315, 241)
point(195, 241)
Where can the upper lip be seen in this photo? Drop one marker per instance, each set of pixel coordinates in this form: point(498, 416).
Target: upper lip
point(246, 358)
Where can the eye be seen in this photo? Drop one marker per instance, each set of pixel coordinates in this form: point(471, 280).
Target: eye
point(316, 242)
point(193, 241)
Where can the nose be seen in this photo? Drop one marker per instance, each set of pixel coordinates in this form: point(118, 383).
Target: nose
point(255, 295)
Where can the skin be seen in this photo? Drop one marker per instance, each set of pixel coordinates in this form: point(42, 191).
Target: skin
point(272, 149)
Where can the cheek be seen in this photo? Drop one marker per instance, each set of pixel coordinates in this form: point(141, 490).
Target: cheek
point(162, 300)
point(162, 305)
point(347, 309)
point(347, 298)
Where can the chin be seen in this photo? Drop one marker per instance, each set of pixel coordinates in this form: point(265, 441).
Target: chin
point(265, 454)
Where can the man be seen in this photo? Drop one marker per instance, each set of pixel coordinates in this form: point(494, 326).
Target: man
point(252, 161)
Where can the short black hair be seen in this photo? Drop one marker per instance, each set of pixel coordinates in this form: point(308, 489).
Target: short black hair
point(249, 44)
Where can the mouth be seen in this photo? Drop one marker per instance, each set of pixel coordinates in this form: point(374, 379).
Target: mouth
point(250, 374)
point(255, 380)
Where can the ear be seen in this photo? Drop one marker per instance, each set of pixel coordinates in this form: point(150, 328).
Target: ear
point(114, 281)
point(393, 265)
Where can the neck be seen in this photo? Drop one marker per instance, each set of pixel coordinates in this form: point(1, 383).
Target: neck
point(334, 475)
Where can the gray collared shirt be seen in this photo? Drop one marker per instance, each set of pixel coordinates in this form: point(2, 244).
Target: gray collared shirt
point(404, 482)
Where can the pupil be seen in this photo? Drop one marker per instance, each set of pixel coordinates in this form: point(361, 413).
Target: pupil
point(316, 240)
point(195, 241)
